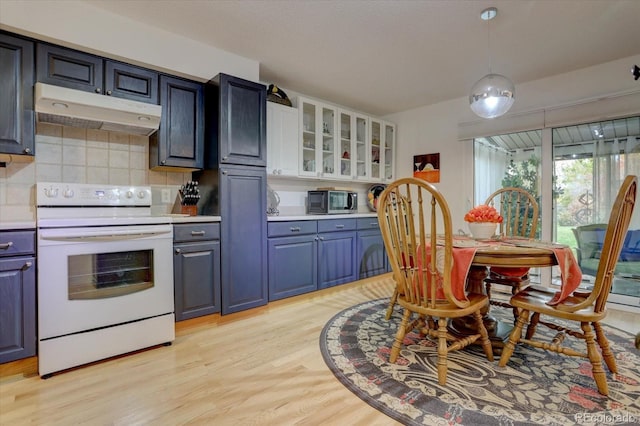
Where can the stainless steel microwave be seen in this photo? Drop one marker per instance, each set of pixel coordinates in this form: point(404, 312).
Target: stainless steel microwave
point(332, 202)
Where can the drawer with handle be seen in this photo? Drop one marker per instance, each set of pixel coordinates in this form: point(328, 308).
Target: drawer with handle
point(189, 232)
point(17, 243)
point(287, 229)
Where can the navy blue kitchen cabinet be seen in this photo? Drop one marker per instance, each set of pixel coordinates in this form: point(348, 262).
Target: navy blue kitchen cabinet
point(17, 295)
point(17, 119)
point(310, 255)
point(371, 255)
point(240, 133)
point(293, 258)
point(73, 69)
point(243, 210)
point(196, 269)
point(336, 252)
point(179, 143)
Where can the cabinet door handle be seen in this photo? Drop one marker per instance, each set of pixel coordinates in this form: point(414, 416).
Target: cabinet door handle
point(197, 233)
point(98, 90)
point(109, 92)
point(178, 251)
point(321, 238)
point(295, 229)
point(6, 246)
point(339, 226)
point(27, 265)
point(27, 150)
point(225, 158)
point(374, 224)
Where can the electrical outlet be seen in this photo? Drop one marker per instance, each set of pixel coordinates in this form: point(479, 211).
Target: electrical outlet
point(166, 196)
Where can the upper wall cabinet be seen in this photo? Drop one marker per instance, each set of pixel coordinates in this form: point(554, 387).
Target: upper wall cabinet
point(179, 143)
point(319, 147)
point(344, 145)
point(236, 122)
point(17, 123)
point(83, 71)
point(353, 128)
point(381, 151)
point(282, 140)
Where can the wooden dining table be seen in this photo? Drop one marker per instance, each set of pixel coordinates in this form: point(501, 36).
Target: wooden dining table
point(498, 254)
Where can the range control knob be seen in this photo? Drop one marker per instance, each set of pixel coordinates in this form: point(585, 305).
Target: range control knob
point(129, 194)
point(142, 194)
point(68, 193)
point(51, 192)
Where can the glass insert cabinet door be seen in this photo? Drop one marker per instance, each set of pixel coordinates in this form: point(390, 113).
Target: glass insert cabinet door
point(104, 275)
point(346, 145)
point(353, 142)
point(389, 142)
point(375, 151)
point(308, 127)
point(318, 127)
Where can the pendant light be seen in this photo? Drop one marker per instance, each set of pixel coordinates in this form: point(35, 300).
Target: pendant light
point(494, 94)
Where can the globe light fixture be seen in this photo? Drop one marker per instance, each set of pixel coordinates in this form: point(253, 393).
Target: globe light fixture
point(494, 94)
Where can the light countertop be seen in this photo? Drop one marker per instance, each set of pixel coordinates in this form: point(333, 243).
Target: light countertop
point(178, 218)
point(321, 216)
point(14, 225)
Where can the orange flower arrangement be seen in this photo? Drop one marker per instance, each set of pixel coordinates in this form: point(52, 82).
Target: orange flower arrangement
point(483, 213)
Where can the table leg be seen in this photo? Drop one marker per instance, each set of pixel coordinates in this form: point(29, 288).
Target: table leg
point(460, 327)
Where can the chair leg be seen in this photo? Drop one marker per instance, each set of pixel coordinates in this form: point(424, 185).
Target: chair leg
point(442, 351)
point(487, 289)
point(514, 289)
point(533, 323)
point(596, 361)
point(484, 336)
point(392, 302)
point(402, 330)
point(514, 338)
point(607, 354)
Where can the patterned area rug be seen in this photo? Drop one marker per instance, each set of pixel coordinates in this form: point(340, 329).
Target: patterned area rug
point(536, 387)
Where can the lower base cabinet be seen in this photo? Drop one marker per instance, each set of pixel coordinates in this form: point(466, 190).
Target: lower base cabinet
point(309, 255)
point(196, 269)
point(17, 295)
point(371, 258)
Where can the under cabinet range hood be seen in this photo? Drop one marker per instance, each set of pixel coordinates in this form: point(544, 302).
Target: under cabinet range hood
point(76, 108)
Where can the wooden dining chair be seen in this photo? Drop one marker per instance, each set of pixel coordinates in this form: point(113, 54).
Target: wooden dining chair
point(585, 309)
point(519, 210)
point(416, 228)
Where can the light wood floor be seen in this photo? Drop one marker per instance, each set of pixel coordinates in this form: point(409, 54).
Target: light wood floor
point(260, 367)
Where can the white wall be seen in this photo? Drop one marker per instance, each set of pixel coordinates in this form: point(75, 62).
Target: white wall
point(598, 92)
point(79, 25)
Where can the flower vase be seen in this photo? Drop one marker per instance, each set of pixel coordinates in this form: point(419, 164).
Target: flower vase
point(482, 230)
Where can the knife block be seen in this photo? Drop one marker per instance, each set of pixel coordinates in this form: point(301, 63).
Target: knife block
point(190, 210)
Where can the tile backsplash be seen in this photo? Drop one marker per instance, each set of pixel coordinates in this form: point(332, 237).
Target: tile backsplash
point(68, 154)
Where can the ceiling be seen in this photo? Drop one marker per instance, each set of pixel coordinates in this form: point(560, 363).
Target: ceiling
point(384, 56)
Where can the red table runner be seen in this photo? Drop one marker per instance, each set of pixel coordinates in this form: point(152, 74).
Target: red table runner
point(464, 250)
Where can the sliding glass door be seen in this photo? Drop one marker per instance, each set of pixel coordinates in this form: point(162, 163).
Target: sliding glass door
point(590, 161)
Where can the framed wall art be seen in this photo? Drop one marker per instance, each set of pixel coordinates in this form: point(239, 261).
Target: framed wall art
point(427, 167)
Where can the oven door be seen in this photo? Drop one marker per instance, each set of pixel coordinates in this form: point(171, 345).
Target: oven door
point(96, 277)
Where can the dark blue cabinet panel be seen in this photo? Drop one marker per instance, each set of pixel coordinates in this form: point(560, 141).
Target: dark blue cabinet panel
point(17, 119)
point(292, 266)
point(243, 118)
point(17, 307)
point(196, 262)
point(243, 206)
point(336, 258)
point(372, 258)
point(179, 143)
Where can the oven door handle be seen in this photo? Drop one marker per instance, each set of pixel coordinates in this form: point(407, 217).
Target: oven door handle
point(106, 235)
